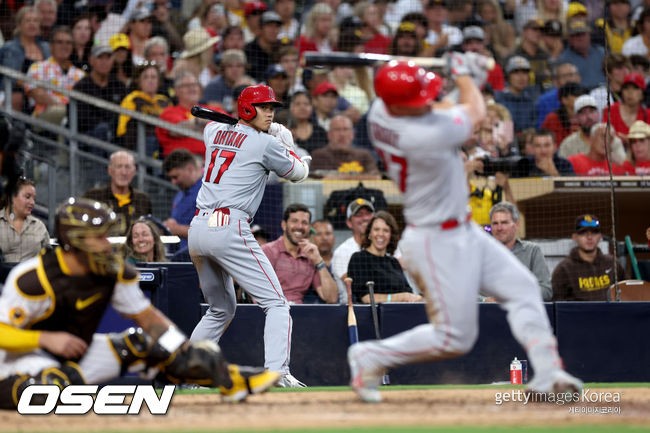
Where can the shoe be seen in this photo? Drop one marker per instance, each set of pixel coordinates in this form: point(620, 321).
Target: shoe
point(247, 380)
point(288, 381)
point(363, 380)
point(559, 381)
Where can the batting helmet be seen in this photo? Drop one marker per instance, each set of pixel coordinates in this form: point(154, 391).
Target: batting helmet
point(406, 84)
point(77, 219)
point(252, 95)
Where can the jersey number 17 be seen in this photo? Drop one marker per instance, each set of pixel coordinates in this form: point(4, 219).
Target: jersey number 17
point(228, 157)
point(397, 168)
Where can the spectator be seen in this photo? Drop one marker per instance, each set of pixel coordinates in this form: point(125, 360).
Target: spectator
point(441, 35)
point(549, 101)
point(183, 170)
point(278, 80)
point(319, 30)
point(289, 28)
point(616, 67)
point(374, 32)
point(146, 100)
point(253, 11)
point(405, 42)
point(630, 108)
point(198, 53)
point(233, 39)
point(139, 31)
point(340, 156)
point(91, 120)
point(562, 122)
point(595, 163)
point(587, 273)
point(638, 141)
point(530, 49)
point(375, 262)
point(47, 10)
point(82, 39)
point(296, 260)
point(544, 10)
point(188, 91)
point(639, 44)
point(143, 243)
point(495, 133)
point(288, 59)
point(119, 195)
point(518, 98)
point(474, 41)
point(546, 162)
point(23, 50)
point(123, 60)
point(504, 221)
point(359, 213)
point(617, 30)
point(578, 142)
point(421, 30)
point(58, 70)
point(22, 236)
point(260, 51)
point(156, 50)
point(343, 78)
point(499, 32)
point(162, 25)
point(552, 40)
point(525, 141)
point(322, 234)
point(306, 134)
point(220, 89)
point(587, 58)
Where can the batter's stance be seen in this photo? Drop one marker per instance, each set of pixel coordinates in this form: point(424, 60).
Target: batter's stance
point(238, 159)
point(450, 258)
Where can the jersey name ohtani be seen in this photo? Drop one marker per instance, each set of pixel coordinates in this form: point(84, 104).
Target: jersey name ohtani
point(384, 135)
point(230, 138)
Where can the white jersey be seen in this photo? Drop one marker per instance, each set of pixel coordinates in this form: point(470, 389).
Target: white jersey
point(238, 160)
point(422, 156)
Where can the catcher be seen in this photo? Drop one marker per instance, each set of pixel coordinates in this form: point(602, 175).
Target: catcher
point(51, 306)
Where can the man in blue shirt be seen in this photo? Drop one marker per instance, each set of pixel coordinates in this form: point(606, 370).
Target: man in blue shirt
point(519, 99)
point(547, 103)
point(184, 171)
point(587, 58)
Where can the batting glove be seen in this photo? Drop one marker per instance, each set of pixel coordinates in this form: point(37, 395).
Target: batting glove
point(283, 134)
point(457, 65)
point(479, 66)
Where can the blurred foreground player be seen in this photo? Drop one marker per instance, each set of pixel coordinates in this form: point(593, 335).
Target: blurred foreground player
point(51, 306)
point(449, 258)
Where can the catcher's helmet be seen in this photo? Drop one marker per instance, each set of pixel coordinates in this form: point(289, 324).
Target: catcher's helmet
point(406, 84)
point(79, 218)
point(252, 95)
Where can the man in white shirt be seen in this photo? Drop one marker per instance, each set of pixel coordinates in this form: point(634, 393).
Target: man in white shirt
point(359, 214)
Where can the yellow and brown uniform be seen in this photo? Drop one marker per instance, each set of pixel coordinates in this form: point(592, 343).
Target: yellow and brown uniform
point(577, 280)
point(145, 104)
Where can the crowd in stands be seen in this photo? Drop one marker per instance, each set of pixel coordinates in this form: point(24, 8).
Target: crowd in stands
point(160, 58)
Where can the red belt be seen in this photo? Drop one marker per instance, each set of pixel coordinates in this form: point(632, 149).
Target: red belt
point(453, 223)
point(224, 210)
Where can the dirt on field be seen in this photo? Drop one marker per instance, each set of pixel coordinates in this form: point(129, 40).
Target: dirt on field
point(295, 410)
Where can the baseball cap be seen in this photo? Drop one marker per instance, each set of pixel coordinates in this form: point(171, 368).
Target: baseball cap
point(517, 63)
point(254, 6)
point(587, 222)
point(140, 14)
point(577, 27)
point(636, 79)
point(325, 87)
point(406, 27)
point(358, 204)
point(119, 40)
point(575, 8)
point(270, 17)
point(534, 24)
point(582, 102)
point(552, 28)
point(570, 89)
point(274, 70)
point(432, 3)
point(473, 32)
point(98, 50)
point(639, 129)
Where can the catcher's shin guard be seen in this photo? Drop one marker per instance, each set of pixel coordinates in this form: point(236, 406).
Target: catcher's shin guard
point(12, 387)
point(131, 345)
point(201, 363)
point(247, 380)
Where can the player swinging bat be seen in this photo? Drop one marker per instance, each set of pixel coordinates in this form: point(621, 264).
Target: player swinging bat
point(352, 318)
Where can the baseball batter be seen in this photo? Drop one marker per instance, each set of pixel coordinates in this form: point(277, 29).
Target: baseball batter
point(51, 305)
point(238, 160)
point(449, 257)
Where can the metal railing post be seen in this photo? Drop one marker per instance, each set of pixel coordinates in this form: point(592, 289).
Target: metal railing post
point(74, 167)
point(51, 197)
point(141, 150)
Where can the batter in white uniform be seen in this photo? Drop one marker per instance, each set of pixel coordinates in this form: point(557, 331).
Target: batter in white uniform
point(238, 159)
point(449, 258)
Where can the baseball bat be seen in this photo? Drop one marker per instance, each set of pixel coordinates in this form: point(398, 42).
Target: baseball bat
point(315, 58)
point(375, 321)
point(352, 318)
point(215, 116)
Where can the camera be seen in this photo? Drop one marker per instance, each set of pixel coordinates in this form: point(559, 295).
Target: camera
point(514, 166)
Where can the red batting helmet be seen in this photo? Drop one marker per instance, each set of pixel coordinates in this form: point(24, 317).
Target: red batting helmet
point(406, 84)
point(252, 95)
